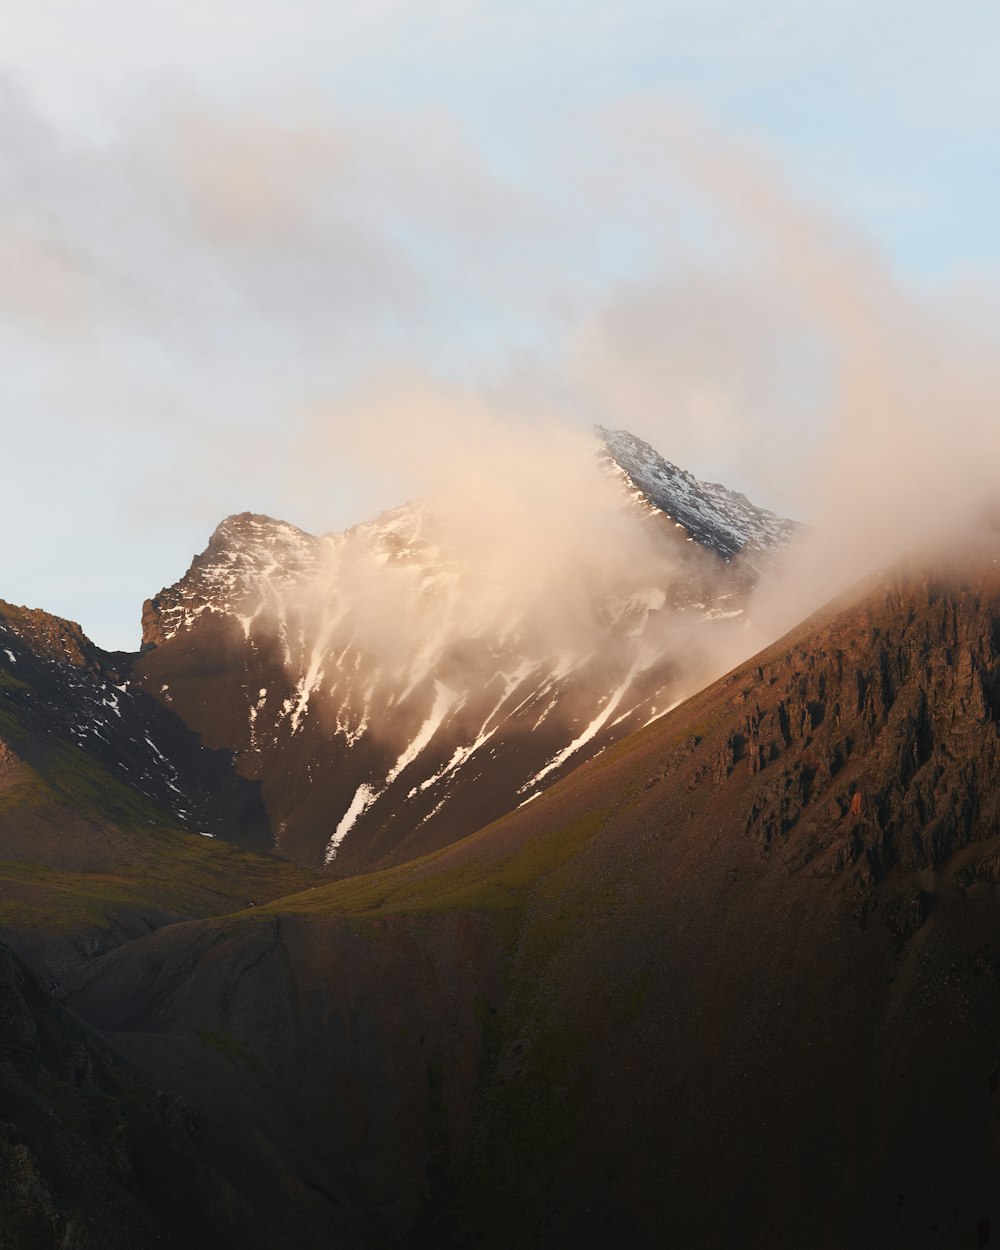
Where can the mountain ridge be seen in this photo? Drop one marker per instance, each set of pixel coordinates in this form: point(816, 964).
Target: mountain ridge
point(459, 699)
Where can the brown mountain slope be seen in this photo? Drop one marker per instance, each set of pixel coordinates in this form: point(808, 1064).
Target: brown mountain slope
point(735, 982)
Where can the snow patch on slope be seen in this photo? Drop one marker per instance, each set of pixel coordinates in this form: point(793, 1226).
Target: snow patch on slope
point(364, 797)
point(589, 733)
point(444, 701)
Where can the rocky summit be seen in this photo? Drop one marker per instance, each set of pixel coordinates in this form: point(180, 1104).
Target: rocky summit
point(388, 697)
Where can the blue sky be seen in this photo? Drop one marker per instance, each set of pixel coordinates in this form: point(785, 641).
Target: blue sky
point(239, 239)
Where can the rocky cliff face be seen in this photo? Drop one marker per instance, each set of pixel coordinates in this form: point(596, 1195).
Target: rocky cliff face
point(250, 561)
point(389, 697)
point(875, 745)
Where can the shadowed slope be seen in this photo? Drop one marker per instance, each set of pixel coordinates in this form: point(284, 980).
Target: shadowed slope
point(88, 1149)
point(57, 687)
point(91, 853)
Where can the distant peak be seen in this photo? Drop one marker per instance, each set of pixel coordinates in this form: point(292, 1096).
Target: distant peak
point(256, 527)
point(711, 513)
point(247, 553)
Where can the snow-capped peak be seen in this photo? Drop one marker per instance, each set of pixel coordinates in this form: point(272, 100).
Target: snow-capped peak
point(712, 515)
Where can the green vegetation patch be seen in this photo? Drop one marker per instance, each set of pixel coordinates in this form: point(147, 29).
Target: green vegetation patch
point(27, 789)
point(498, 886)
point(33, 896)
point(78, 779)
point(169, 872)
point(226, 1044)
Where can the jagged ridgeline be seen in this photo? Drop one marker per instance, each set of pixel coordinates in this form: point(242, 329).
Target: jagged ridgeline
point(390, 690)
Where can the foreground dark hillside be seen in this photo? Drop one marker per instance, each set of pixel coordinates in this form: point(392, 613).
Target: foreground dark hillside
point(87, 1147)
point(735, 982)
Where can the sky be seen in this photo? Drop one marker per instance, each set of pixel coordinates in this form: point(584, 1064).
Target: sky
point(246, 249)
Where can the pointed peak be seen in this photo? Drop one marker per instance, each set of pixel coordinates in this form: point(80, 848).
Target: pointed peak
point(712, 514)
point(256, 527)
point(246, 552)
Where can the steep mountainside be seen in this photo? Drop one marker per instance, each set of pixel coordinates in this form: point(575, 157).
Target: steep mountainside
point(390, 694)
point(99, 788)
point(56, 685)
point(735, 982)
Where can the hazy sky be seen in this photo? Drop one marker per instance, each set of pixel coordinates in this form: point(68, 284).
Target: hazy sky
point(243, 244)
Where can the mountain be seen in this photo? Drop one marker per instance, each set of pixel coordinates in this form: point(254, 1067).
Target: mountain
point(736, 981)
point(389, 691)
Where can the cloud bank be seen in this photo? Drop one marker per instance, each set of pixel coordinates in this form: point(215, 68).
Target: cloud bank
point(249, 310)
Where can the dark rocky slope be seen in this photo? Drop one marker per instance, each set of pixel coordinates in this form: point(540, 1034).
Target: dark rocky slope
point(91, 1156)
point(333, 1066)
point(92, 849)
point(57, 687)
point(749, 994)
